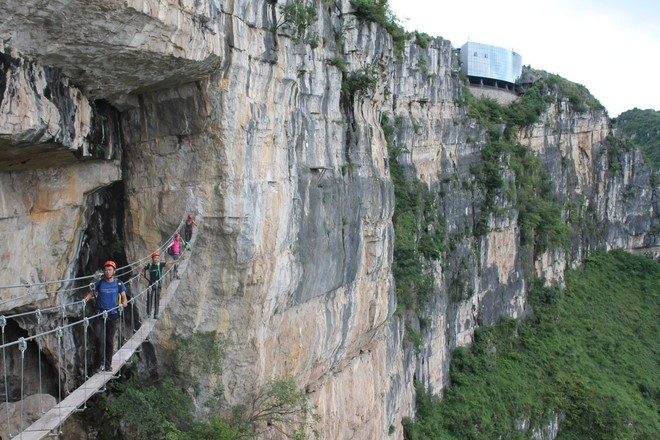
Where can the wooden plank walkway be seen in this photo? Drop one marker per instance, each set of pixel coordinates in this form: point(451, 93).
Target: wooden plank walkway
point(59, 413)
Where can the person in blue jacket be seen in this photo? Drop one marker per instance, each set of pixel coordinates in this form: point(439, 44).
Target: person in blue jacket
point(110, 292)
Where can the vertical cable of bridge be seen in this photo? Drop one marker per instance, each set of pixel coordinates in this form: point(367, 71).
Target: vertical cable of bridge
point(133, 299)
point(105, 336)
point(120, 322)
point(39, 317)
point(59, 333)
point(139, 298)
point(61, 362)
point(3, 323)
point(22, 346)
point(129, 290)
point(85, 327)
point(120, 332)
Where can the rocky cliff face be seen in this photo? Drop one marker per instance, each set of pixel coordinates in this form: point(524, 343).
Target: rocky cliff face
point(202, 107)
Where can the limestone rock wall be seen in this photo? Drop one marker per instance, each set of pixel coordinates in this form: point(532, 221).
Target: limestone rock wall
point(603, 182)
point(198, 106)
point(295, 244)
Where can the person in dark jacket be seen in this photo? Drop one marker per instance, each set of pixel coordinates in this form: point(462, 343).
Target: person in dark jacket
point(188, 230)
point(155, 271)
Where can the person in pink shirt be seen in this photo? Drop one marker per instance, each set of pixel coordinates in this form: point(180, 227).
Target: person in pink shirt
point(176, 247)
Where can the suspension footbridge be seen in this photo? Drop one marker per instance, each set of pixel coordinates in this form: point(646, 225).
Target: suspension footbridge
point(133, 332)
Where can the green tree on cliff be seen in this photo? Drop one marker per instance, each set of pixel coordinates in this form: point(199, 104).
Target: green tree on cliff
point(642, 128)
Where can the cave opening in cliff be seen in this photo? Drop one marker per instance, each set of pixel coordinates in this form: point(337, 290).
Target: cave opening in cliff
point(27, 373)
point(104, 237)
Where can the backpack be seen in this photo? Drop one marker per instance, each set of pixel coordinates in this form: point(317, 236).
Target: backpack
point(159, 276)
point(170, 249)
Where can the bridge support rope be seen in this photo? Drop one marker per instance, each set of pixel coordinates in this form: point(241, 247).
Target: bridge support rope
point(53, 418)
point(76, 400)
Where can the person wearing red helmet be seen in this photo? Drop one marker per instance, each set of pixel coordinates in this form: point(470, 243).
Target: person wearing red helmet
point(155, 269)
point(109, 293)
point(188, 230)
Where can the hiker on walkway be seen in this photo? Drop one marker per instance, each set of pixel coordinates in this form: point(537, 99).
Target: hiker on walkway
point(188, 230)
point(155, 269)
point(109, 293)
point(175, 249)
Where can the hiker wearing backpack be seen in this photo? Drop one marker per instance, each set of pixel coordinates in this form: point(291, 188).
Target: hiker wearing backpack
point(174, 249)
point(110, 292)
point(188, 230)
point(155, 270)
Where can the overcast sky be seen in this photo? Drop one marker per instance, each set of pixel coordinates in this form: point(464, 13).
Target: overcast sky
point(612, 47)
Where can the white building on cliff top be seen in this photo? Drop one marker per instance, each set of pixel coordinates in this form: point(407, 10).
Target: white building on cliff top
point(490, 66)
